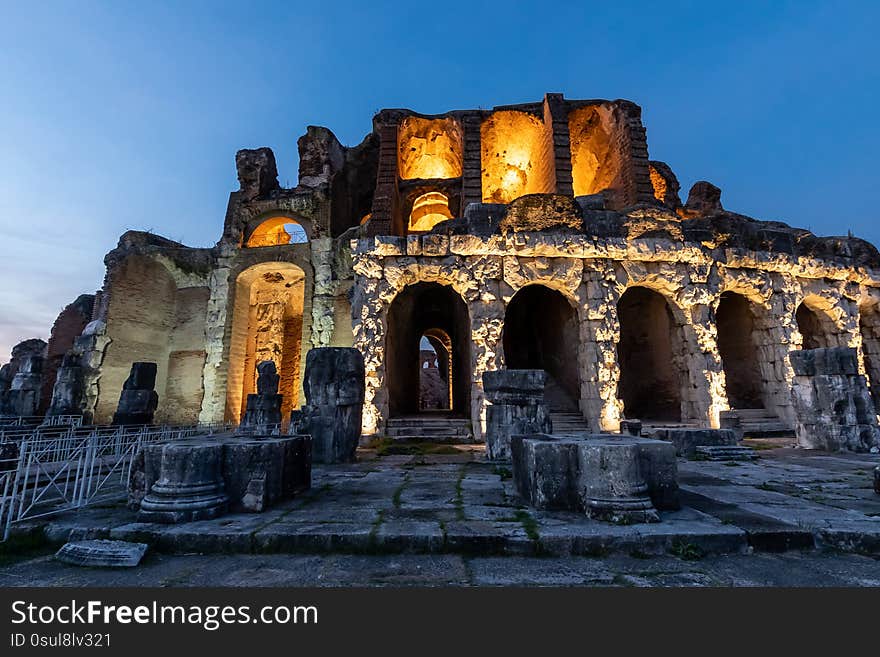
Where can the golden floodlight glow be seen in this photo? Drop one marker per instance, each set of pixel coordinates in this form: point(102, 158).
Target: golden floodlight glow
point(429, 148)
point(593, 162)
point(276, 231)
point(428, 211)
point(513, 146)
point(658, 182)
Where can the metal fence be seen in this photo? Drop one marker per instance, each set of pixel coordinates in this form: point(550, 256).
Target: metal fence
point(48, 470)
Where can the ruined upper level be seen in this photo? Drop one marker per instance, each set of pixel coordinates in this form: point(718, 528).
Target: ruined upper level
point(579, 165)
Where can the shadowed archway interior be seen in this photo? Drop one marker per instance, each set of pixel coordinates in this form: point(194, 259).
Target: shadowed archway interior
point(541, 332)
point(736, 344)
point(650, 381)
point(432, 311)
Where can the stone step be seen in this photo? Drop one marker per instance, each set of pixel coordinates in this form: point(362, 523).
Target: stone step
point(426, 431)
point(438, 438)
point(726, 453)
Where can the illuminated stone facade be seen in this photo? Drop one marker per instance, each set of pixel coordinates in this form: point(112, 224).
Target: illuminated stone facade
point(533, 236)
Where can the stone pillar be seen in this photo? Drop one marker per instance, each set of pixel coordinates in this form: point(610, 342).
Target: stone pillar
point(517, 407)
point(832, 404)
point(138, 400)
point(24, 393)
point(263, 410)
point(190, 484)
point(69, 391)
point(334, 388)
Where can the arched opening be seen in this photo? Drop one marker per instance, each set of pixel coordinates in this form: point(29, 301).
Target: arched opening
point(267, 324)
point(869, 327)
point(435, 371)
point(428, 210)
point(650, 377)
point(816, 327)
point(541, 332)
point(439, 315)
point(736, 344)
point(277, 231)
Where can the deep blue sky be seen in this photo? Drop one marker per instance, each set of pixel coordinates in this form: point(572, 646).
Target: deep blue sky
point(127, 115)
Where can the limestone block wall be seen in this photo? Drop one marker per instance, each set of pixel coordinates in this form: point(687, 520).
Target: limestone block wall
point(593, 273)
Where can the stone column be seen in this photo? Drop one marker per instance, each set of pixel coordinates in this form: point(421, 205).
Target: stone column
point(334, 388)
point(833, 406)
point(138, 400)
point(600, 332)
point(263, 410)
point(516, 407)
point(68, 392)
point(24, 393)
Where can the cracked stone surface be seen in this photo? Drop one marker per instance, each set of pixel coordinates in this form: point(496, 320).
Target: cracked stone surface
point(790, 517)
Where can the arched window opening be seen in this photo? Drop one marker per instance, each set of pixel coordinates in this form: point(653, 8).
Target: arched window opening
point(277, 231)
point(816, 327)
point(428, 210)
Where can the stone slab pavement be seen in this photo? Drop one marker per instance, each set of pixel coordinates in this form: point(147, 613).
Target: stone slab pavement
point(461, 510)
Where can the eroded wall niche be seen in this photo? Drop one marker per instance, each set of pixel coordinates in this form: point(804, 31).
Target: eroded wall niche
point(426, 309)
point(818, 330)
point(429, 148)
point(277, 230)
point(735, 322)
point(267, 324)
point(649, 357)
point(150, 319)
point(595, 161)
point(514, 157)
point(541, 332)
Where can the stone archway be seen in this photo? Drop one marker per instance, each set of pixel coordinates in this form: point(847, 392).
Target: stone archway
point(267, 324)
point(869, 328)
point(735, 322)
point(651, 376)
point(541, 332)
point(426, 310)
point(816, 327)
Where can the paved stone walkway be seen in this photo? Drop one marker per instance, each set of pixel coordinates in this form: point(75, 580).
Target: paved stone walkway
point(759, 569)
point(454, 518)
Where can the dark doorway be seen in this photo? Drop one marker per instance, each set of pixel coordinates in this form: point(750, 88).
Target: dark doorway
point(650, 382)
point(736, 344)
point(432, 315)
point(541, 332)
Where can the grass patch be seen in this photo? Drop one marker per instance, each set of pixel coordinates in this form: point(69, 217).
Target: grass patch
point(502, 472)
point(386, 446)
point(766, 486)
point(686, 551)
point(529, 524)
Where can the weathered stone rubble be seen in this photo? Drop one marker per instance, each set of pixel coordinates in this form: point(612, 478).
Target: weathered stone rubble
point(138, 400)
point(334, 388)
point(263, 412)
point(833, 406)
point(516, 407)
point(194, 479)
point(607, 476)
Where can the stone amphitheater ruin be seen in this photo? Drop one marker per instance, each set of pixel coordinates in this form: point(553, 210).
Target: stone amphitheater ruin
point(532, 236)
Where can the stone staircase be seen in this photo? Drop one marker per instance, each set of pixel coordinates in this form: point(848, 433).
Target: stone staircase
point(564, 413)
point(430, 427)
point(760, 423)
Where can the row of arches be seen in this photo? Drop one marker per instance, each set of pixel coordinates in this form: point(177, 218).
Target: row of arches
point(541, 331)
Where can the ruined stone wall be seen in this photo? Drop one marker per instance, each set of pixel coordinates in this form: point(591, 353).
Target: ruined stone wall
point(67, 327)
point(593, 273)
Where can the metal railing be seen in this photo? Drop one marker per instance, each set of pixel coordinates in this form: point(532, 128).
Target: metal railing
point(44, 472)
